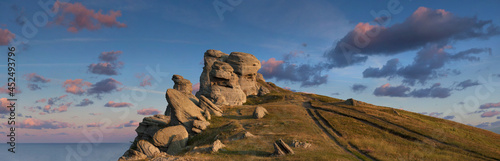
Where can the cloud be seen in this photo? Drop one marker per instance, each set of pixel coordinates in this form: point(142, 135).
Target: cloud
point(449, 117)
point(109, 64)
point(117, 104)
point(43, 100)
point(77, 17)
point(32, 123)
point(94, 124)
point(490, 105)
point(4, 102)
point(424, 26)
point(61, 133)
point(53, 100)
point(358, 88)
point(110, 56)
point(104, 86)
point(33, 87)
point(105, 68)
point(62, 107)
point(33, 77)
point(483, 125)
point(466, 84)
point(490, 113)
point(85, 102)
point(131, 123)
point(435, 91)
point(6, 36)
point(145, 79)
point(387, 90)
point(196, 88)
point(77, 86)
point(5, 90)
point(148, 111)
point(425, 65)
point(95, 114)
point(307, 75)
point(335, 94)
point(388, 70)
point(435, 114)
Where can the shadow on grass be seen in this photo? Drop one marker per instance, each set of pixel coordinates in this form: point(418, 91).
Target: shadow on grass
point(243, 117)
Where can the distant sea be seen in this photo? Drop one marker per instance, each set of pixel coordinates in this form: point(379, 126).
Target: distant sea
point(63, 152)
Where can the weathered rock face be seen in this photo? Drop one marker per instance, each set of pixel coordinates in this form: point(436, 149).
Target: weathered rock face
point(185, 86)
point(206, 104)
point(182, 111)
point(172, 138)
point(227, 80)
point(147, 148)
point(246, 67)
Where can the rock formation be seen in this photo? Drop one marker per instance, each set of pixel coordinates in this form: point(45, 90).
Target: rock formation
point(228, 79)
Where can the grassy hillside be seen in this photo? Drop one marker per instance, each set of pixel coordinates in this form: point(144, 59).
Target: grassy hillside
point(338, 131)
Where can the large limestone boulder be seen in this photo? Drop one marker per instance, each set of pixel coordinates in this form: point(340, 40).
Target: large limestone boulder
point(245, 66)
point(147, 148)
point(182, 111)
point(209, 58)
point(172, 139)
point(225, 89)
point(185, 86)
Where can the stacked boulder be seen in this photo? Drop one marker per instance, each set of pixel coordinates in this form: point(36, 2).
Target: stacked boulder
point(229, 79)
point(226, 80)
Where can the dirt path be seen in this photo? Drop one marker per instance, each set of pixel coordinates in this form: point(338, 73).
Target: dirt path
point(325, 126)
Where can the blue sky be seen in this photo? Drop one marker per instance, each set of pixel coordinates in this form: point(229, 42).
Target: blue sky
point(296, 39)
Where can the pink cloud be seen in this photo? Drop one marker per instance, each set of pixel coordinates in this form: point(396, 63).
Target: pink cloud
point(131, 123)
point(148, 111)
point(490, 113)
point(269, 65)
point(94, 124)
point(5, 90)
point(33, 77)
point(490, 105)
point(43, 100)
point(62, 108)
point(4, 102)
point(146, 81)
point(117, 104)
point(42, 113)
point(77, 17)
point(196, 88)
point(76, 86)
point(32, 123)
point(6, 36)
point(95, 114)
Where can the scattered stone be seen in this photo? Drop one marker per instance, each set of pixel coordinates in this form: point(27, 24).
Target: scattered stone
point(298, 144)
point(171, 137)
point(217, 145)
point(147, 148)
point(263, 91)
point(351, 102)
point(196, 130)
point(182, 110)
point(396, 112)
point(132, 155)
point(248, 135)
point(280, 148)
point(206, 104)
point(259, 112)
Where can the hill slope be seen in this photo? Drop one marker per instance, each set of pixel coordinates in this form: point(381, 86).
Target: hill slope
point(339, 131)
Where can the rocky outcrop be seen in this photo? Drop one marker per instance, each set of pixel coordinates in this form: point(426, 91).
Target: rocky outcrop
point(172, 139)
point(206, 104)
point(132, 155)
point(185, 86)
point(299, 144)
point(228, 79)
point(147, 148)
point(281, 148)
point(246, 67)
point(216, 146)
point(182, 110)
point(259, 112)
